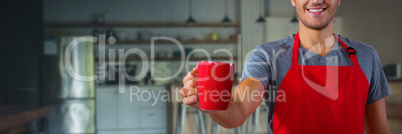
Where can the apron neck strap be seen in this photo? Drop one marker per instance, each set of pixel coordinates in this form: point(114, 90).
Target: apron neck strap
point(351, 51)
point(295, 54)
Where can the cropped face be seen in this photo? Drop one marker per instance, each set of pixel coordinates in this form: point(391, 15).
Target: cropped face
point(316, 14)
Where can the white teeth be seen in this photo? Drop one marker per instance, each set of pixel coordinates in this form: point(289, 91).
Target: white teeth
point(316, 10)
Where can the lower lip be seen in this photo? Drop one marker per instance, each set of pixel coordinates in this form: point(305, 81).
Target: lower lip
point(317, 13)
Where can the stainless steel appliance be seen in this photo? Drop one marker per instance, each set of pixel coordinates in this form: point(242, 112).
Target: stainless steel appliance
point(72, 101)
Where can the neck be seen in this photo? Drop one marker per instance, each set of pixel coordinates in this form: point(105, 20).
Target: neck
point(319, 41)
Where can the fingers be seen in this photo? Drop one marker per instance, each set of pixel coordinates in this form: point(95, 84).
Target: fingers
point(190, 100)
point(189, 88)
point(191, 75)
point(190, 84)
point(195, 68)
point(189, 91)
point(185, 92)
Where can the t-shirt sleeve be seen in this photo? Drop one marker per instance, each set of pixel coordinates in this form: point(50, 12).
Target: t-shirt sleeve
point(378, 83)
point(257, 66)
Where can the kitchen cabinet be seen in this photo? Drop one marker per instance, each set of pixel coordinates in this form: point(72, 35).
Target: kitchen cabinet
point(127, 112)
point(117, 114)
point(153, 117)
point(106, 108)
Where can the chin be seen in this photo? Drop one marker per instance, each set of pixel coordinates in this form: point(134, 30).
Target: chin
point(316, 24)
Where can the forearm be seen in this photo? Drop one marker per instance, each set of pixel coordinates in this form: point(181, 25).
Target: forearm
point(231, 118)
point(244, 100)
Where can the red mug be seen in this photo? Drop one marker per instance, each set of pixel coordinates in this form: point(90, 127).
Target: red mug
point(214, 84)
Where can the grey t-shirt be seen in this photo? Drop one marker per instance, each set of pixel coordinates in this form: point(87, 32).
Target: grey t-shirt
point(270, 62)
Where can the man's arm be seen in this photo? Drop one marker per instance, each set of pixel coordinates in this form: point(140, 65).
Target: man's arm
point(375, 121)
point(244, 100)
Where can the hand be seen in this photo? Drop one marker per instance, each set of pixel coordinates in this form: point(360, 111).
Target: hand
point(189, 90)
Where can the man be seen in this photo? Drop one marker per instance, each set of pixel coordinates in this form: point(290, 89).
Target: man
point(330, 84)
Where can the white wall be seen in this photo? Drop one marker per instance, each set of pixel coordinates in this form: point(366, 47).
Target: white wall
point(251, 32)
point(377, 23)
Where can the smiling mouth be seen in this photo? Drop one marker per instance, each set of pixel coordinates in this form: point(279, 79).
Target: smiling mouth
point(316, 10)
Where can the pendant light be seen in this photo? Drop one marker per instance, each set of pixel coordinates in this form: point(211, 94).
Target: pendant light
point(190, 19)
point(226, 18)
point(261, 19)
point(294, 19)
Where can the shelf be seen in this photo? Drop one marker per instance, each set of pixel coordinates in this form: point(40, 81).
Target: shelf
point(175, 59)
point(80, 25)
point(181, 41)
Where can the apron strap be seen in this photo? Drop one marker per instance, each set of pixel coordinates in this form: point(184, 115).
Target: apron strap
point(351, 51)
point(296, 50)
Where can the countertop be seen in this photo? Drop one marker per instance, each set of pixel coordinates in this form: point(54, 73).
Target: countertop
point(13, 119)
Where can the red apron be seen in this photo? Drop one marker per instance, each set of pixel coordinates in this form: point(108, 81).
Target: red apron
point(321, 99)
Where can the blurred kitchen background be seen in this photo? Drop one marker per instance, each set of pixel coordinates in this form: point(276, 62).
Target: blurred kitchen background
point(38, 96)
